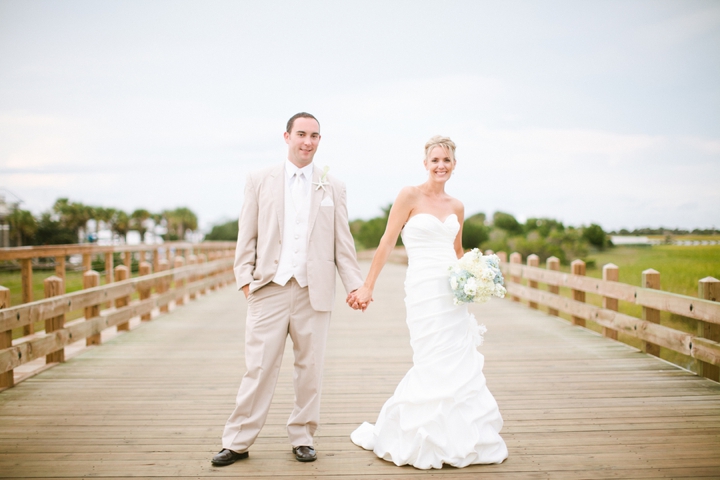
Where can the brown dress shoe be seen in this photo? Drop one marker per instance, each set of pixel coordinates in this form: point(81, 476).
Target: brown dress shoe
point(228, 457)
point(305, 454)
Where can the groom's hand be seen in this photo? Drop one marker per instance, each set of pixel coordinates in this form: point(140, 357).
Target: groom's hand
point(246, 290)
point(355, 301)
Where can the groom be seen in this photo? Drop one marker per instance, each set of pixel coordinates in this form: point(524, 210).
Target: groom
point(293, 234)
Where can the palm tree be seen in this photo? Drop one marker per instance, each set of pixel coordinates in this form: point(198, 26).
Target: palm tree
point(180, 221)
point(137, 220)
point(23, 226)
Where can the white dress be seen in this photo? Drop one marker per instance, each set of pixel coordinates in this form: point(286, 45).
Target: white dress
point(442, 411)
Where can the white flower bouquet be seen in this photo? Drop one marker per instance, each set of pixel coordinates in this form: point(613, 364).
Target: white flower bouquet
point(476, 278)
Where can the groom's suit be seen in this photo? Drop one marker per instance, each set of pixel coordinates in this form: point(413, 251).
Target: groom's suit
point(274, 310)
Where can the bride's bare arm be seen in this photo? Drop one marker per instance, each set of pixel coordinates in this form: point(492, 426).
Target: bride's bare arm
point(460, 212)
point(399, 215)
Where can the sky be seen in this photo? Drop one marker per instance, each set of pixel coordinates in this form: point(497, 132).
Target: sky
point(601, 112)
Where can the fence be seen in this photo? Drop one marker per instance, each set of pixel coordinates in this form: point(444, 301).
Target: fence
point(704, 311)
point(176, 277)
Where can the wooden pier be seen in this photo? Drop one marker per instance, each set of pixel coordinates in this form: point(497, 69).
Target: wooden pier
point(152, 402)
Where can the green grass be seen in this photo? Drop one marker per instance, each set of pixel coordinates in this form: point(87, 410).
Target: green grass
point(680, 267)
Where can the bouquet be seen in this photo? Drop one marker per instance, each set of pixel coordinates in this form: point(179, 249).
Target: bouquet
point(476, 278)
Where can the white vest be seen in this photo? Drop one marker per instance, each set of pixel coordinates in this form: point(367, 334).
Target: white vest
point(293, 252)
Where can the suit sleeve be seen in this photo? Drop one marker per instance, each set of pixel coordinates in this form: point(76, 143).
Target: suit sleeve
point(345, 256)
point(245, 251)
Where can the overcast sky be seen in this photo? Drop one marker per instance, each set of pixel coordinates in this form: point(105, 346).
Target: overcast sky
point(604, 112)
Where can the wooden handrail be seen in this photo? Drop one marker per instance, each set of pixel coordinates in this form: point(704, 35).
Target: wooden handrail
point(704, 346)
point(46, 251)
point(191, 280)
point(697, 308)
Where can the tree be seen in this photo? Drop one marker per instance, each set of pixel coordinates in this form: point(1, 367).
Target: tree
point(120, 223)
point(595, 236)
point(475, 232)
point(22, 227)
point(50, 231)
point(137, 221)
point(73, 216)
point(226, 231)
point(180, 221)
point(507, 222)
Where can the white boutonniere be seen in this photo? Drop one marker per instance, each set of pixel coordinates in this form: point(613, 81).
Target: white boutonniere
point(323, 180)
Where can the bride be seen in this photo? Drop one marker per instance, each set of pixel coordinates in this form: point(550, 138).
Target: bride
point(442, 411)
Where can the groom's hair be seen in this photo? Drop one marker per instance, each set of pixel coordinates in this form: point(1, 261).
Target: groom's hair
point(299, 115)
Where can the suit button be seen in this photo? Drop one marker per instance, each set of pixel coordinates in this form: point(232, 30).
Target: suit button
point(276, 261)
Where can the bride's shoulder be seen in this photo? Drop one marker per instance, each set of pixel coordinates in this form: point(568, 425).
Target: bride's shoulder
point(409, 192)
point(457, 207)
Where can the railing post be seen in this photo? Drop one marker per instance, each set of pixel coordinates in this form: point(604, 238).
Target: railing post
point(211, 256)
point(179, 284)
point(533, 261)
point(127, 261)
point(156, 260)
point(192, 260)
point(60, 269)
point(611, 273)
point(144, 292)
point(26, 274)
point(578, 268)
point(202, 258)
point(515, 258)
point(502, 256)
point(87, 262)
point(709, 289)
point(553, 263)
point(122, 273)
point(53, 288)
point(6, 378)
point(109, 261)
point(651, 279)
point(92, 279)
point(163, 284)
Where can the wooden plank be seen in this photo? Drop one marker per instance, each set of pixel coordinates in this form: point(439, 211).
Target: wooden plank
point(153, 402)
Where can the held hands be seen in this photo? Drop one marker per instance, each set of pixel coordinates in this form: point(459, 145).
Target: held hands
point(360, 299)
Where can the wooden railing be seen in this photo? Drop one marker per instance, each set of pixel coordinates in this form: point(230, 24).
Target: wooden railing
point(103, 307)
point(703, 345)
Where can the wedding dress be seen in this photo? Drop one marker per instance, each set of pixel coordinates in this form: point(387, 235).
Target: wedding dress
point(442, 411)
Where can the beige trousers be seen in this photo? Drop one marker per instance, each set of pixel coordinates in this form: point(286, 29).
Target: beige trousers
point(274, 312)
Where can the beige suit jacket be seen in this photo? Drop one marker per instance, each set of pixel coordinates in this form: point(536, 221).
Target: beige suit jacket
point(330, 244)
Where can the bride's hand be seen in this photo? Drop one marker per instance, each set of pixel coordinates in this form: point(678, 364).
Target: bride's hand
point(360, 298)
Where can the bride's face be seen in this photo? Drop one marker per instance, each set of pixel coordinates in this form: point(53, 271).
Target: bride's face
point(439, 164)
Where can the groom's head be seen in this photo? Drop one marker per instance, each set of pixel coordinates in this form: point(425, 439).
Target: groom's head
point(302, 136)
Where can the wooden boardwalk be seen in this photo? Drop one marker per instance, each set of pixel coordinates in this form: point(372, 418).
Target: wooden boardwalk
point(152, 402)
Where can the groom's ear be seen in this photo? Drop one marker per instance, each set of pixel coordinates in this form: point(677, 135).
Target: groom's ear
point(286, 136)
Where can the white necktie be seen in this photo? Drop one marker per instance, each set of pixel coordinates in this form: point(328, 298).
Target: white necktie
point(297, 190)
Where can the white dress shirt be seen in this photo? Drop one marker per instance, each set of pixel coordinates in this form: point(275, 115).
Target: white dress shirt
point(293, 253)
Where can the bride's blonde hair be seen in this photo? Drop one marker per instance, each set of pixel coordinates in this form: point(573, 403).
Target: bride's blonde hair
point(443, 142)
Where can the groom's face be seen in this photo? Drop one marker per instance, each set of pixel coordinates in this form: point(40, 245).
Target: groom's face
point(303, 141)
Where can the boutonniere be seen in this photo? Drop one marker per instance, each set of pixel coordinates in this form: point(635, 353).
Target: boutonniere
point(323, 180)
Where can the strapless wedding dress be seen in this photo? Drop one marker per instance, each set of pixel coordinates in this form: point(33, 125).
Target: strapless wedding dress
point(442, 411)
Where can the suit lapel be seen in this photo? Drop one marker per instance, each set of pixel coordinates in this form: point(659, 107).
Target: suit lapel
point(278, 197)
point(316, 196)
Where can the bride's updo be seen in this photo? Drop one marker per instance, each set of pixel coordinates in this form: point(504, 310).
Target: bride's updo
point(443, 142)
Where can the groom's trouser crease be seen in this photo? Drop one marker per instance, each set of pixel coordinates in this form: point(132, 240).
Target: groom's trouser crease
point(275, 311)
